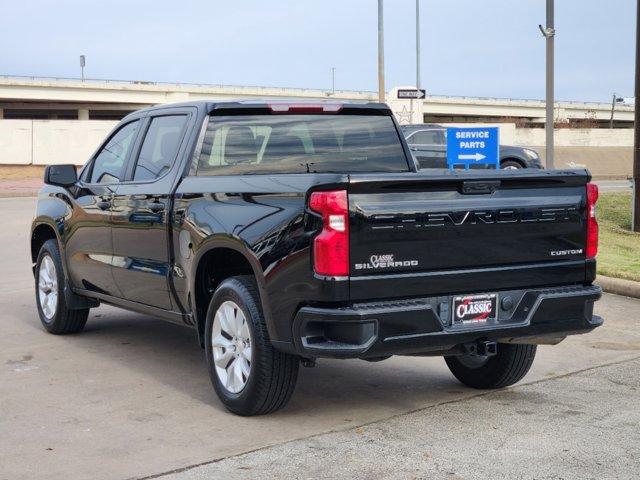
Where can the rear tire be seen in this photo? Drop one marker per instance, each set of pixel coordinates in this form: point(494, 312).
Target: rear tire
point(54, 313)
point(508, 366)
point(248, 374)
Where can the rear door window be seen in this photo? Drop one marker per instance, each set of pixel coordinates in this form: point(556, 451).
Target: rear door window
point(301, 144)
point(160, 147)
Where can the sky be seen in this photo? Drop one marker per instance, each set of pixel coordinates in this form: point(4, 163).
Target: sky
point(476, 48)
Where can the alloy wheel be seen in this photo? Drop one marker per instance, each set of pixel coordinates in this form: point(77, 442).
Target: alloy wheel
point(231, 345)
point(48, 287)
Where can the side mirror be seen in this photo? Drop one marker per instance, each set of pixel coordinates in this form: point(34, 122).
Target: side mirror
point(61, 175)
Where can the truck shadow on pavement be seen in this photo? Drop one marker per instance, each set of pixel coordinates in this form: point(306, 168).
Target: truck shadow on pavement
point(170, 354)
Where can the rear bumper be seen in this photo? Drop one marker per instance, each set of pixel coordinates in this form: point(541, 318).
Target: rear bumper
point(422, 326)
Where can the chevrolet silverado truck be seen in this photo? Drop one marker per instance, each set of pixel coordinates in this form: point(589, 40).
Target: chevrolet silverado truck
point(285, 232)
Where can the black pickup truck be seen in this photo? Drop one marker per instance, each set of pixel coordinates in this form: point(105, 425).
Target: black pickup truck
point(283, 232)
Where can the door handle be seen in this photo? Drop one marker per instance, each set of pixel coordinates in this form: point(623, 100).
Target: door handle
point(156, 207)
point(104, 204)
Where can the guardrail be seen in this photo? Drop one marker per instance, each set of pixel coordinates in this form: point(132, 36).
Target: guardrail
point(560, 103)
point(179, 84)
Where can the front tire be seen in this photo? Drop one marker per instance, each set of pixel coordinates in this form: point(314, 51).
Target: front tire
point(53, 310)
point(511, 165)
point(510, 364)
point(249, 376)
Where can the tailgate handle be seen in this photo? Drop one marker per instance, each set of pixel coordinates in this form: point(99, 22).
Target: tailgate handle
point(480, 187)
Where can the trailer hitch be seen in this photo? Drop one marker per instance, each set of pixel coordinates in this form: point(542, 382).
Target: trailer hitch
point(484, 348)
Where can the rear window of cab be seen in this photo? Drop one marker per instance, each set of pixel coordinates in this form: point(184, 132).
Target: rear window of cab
point(262, 144)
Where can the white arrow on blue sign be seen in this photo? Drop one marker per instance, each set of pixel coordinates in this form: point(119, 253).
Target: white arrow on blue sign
point(473, 146)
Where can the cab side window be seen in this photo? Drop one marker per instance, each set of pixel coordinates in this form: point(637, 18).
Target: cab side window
point(109, 163)
point(160, 147)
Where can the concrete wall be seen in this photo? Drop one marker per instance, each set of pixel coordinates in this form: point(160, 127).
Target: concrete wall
point(576, 137)
point(43, 142)
point(564, 137)
point(507, 130)
point(607, 153)
point(15, 142)
point(67, 141)
point(602, 162)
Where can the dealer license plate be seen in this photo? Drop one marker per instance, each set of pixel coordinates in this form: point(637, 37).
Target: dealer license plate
point(475, 309)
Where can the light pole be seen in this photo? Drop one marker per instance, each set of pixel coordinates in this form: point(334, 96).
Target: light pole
point(549, 32)
point(635, 222)
point(381, 94)
point(333, 79)
point(418, 44)
point(82, 64)
point(411, 102)
point(614, 100)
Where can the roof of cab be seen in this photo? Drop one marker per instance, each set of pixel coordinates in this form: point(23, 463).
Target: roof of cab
point(211, 105)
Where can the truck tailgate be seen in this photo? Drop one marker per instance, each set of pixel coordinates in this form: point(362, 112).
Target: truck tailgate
point(465, 232)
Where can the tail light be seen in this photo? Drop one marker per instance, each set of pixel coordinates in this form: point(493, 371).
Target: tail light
point(331, 246)
point(592, 222)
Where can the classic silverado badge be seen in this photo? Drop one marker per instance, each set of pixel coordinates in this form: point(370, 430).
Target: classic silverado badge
point(384, 261)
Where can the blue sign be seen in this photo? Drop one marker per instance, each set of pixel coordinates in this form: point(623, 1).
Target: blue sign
point(473, 146)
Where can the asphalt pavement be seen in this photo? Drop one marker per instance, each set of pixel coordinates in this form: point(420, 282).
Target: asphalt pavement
point(578, 426)
point(130, 398)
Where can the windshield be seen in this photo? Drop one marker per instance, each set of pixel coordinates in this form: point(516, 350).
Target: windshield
point(301, 144)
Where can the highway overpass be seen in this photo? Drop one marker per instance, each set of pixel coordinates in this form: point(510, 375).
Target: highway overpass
point(64, 98)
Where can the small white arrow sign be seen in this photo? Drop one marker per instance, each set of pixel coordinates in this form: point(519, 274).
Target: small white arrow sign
point(476, 156)
point(414, 93)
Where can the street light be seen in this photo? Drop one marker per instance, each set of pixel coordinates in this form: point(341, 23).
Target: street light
point(82, 64)
point(635, 221)
point(615, 100)
point(548, 33)
point(381, 94)
point(418, 44)
point(333, 79)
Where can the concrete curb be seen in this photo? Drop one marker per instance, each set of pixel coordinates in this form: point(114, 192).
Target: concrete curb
point(611, 177)
point(18, 194)
point(618, 286)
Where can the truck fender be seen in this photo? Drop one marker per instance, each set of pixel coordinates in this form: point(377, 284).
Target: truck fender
point(237, 244)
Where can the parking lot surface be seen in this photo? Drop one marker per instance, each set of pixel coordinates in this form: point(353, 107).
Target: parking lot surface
point(583, 425)
point(130, 397)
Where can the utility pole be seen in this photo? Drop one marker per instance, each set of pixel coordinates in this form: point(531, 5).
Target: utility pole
point(549, 32)
point(418, 44)
point(381, 92)
point(635, 222)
